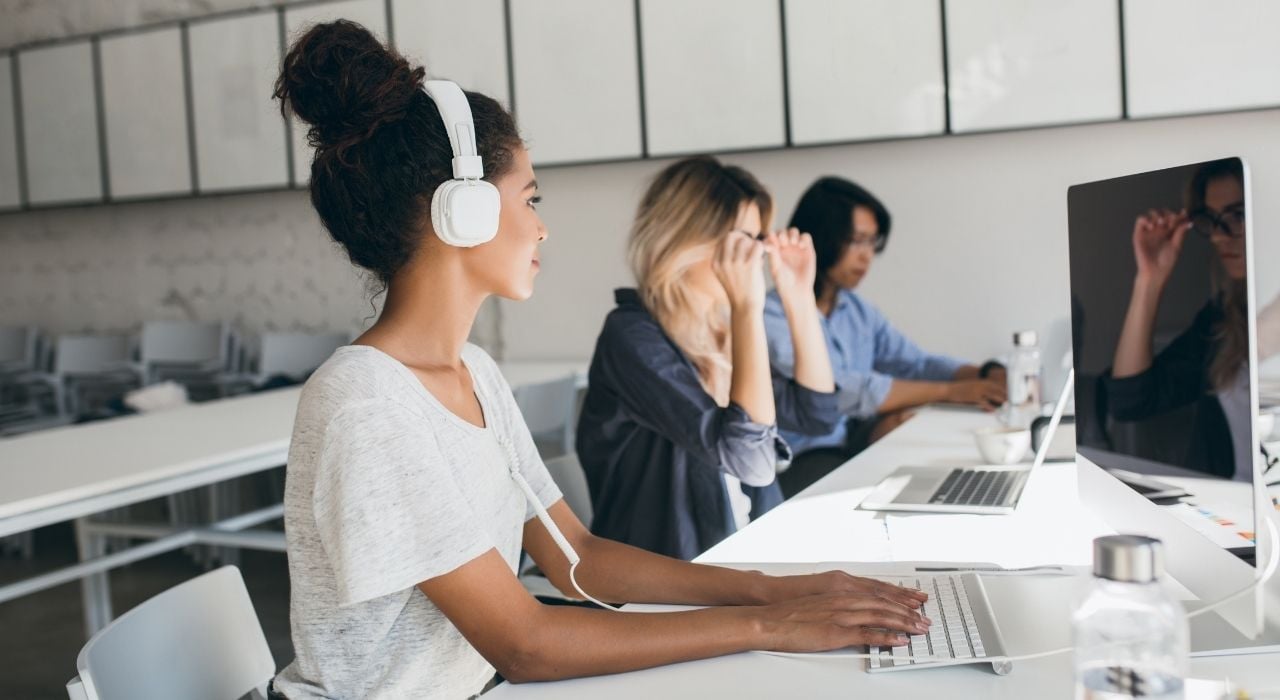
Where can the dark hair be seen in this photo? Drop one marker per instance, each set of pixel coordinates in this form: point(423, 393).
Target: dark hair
point(825, 212)
point(381, 149)
point(1231, 332)
point(1208, 172)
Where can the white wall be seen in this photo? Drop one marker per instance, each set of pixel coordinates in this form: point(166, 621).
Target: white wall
point(261, 261)
point(25, 20)
point(978, 247)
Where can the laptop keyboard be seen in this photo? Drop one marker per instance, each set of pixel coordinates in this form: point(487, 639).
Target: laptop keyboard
point(953, 635)
point(979, 487)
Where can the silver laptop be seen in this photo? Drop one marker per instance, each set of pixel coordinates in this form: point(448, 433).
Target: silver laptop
point(986, 489)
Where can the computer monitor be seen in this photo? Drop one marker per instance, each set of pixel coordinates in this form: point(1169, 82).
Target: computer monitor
point(1166, 385)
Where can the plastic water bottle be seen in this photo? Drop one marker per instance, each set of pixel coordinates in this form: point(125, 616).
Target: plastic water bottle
point(1023, 378)
point(1131, 636)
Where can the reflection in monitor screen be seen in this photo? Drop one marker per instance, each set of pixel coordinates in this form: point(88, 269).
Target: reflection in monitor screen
point(1160, 321)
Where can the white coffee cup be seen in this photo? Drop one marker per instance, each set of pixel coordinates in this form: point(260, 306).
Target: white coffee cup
point(1002, 445)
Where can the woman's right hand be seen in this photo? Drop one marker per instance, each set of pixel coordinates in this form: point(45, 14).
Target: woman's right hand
point(739, 266)
point(837, 620)
point(1157, 242)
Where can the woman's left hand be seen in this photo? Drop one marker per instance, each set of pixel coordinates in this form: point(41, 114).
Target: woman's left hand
point(788, 587)
point(792, 262)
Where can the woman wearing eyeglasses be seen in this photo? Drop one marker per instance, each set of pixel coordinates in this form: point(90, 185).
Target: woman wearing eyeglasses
point(1207, 364)
point(679, 429)
point(881, 374)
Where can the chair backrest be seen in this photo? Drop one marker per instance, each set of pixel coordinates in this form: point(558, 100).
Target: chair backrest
point(567, 472)
point(18, 345)
point(182, 342)
point(550, 409)
point(296, 354)
point(90, 354)
point(199, 640)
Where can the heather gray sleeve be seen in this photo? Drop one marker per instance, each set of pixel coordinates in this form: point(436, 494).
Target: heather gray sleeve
point(387, 508)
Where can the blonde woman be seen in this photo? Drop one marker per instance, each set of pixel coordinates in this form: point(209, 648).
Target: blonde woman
point(679, 430)
point(1206, 364)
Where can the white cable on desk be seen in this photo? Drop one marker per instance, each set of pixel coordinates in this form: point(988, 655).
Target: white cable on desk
point(1259, 581)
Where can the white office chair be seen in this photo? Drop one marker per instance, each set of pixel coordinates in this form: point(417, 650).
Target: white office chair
point(21, 404)
point(199, 640)
point(567, 472)
point(187, 351)
point(550, 410)
point(19, 347)
point(294, 355)
point(83, 361)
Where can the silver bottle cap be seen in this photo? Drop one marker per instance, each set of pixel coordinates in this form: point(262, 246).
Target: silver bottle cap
point(1128, 558)
point(1025, 338)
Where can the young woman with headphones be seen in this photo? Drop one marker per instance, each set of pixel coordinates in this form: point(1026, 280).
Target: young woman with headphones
point(413, 483)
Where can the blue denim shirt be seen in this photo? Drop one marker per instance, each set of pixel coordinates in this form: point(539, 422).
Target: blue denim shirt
point(655, 446)
point(867, 354)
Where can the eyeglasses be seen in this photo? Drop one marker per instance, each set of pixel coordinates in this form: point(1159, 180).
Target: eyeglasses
point(875, 241)
point(1230, 222)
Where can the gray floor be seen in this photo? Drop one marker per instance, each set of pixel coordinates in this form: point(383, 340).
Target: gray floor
point(41, 634)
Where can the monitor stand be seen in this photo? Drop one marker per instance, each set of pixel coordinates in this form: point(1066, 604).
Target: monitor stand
point(1213, 636)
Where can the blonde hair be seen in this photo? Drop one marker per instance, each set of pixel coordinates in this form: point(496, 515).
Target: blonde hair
point(687, 210)
point(1232, 332)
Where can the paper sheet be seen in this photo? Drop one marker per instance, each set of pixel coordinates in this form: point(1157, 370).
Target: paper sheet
point(1230, 528)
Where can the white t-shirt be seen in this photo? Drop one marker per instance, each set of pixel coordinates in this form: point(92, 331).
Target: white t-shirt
point(386, 488)
point(1235, 407)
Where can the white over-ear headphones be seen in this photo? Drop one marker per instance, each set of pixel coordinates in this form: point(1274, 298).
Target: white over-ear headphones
point(464, 210)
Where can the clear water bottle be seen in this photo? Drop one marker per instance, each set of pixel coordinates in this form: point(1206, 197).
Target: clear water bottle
point(1131, 635)
point(1023, 376)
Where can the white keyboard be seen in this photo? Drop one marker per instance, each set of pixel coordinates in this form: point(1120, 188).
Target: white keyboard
point(963, 628)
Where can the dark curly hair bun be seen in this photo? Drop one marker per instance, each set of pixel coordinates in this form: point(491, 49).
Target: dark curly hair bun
point(343, 82)
point(381, 149)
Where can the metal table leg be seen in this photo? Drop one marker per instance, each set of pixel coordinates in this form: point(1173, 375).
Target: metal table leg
point(95, 589)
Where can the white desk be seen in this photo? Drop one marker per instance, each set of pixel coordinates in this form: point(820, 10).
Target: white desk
point(821, 524)
point(71, 472)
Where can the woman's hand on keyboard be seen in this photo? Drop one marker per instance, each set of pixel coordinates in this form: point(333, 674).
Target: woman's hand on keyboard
point(788, 587)
point(837, 620)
